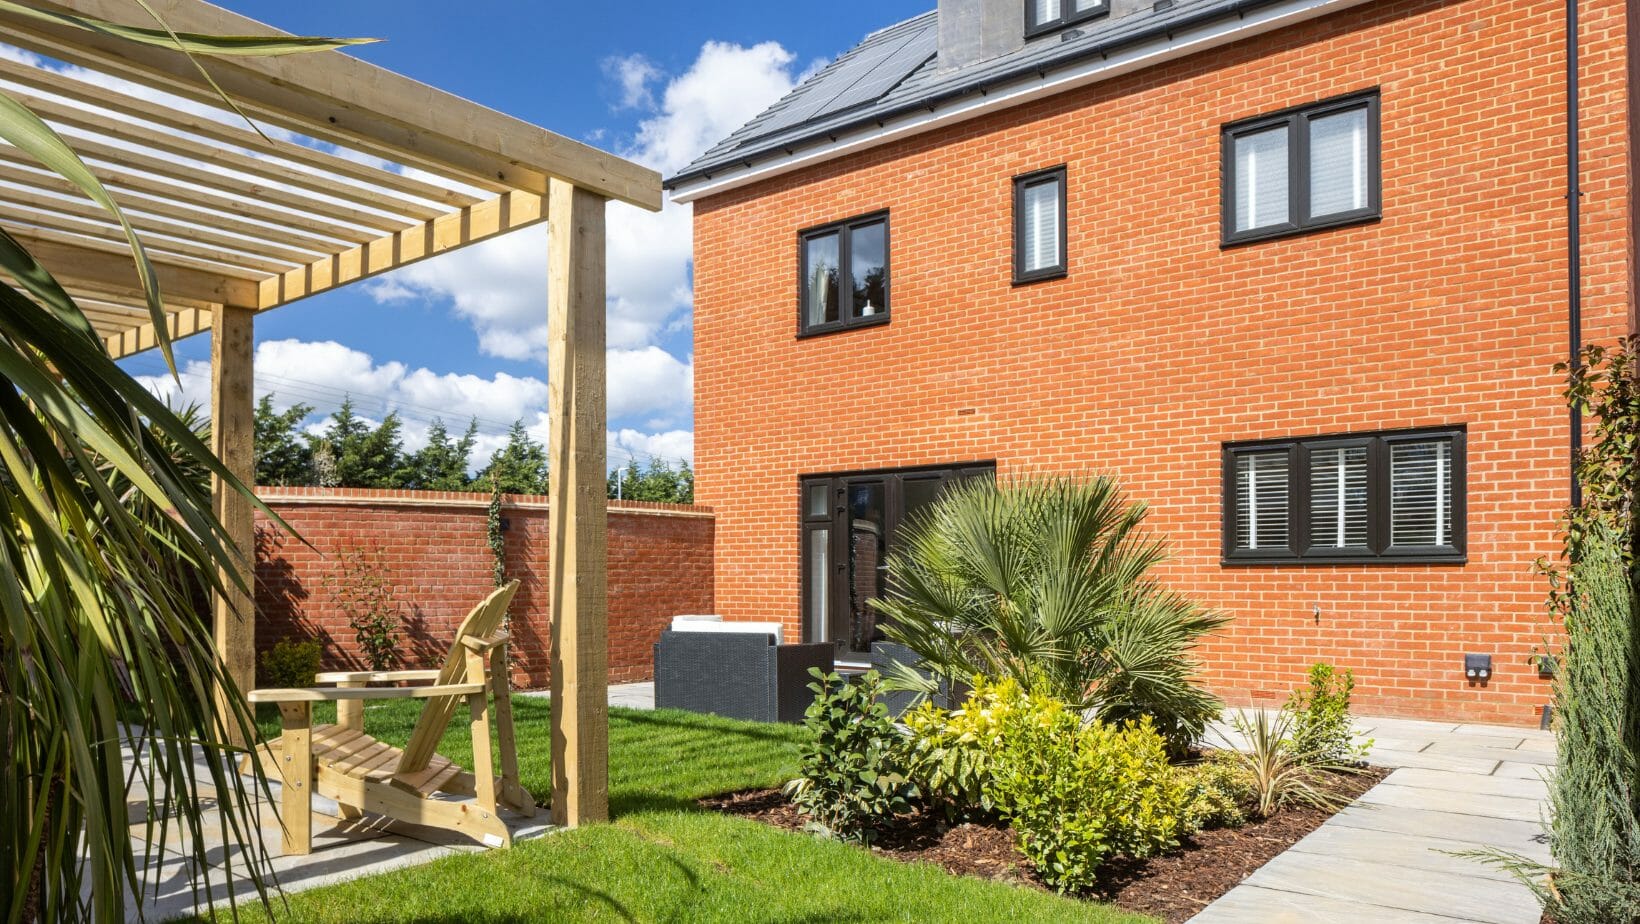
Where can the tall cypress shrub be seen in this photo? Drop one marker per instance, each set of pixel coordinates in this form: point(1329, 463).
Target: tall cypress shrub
point(1595, 792)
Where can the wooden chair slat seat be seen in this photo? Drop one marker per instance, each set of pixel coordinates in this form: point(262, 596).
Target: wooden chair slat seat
point(362, 773)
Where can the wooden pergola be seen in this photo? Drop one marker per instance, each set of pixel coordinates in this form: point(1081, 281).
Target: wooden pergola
point(366, 171)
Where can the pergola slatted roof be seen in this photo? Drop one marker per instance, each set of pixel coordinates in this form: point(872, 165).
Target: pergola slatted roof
point(364, 171)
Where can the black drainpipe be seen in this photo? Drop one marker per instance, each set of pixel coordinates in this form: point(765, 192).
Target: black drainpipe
point(1574, 243)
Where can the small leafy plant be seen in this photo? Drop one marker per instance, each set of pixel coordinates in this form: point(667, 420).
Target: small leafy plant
point(291, 663)
point(1320, 715)
point(370, 602)
point(851, 779)
point(947, 754)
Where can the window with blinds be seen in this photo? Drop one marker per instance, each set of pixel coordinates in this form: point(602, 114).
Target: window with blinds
point(1392, 495)
point(1309, 167)
point(1338, 498)
point(1420, 484)
point(1262, 495)
point(1039, 225)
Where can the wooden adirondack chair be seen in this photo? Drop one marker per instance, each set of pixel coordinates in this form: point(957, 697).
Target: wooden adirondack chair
point(344, 763)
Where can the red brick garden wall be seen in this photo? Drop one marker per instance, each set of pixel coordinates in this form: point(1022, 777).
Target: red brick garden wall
point(1160, 346)
point(434, 549)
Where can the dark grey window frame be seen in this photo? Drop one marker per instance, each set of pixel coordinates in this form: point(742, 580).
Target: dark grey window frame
point(1378, 551)
point(1034, 28)
point(1298, 169)
point(1022, 183)
point(845, 293)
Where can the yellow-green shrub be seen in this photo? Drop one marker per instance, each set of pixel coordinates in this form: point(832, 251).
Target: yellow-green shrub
point(1079, 791)
point(291, 663)
point(1218, 792)
point(948, 753)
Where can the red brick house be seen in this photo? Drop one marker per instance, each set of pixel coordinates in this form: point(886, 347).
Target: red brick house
point(1294, 271)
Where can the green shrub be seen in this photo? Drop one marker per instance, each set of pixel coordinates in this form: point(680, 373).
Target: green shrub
point(290, 663)
point(1321, 718)
point(851, 779)
point(947, 754)
point(1078, 791)
point(1048, 581)
point(1219, 791)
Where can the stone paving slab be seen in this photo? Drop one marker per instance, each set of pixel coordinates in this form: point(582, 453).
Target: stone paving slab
point(1520, 771)
point(1459, 748)
point(1434, 854)
point(1524, 837)
point(1480, 766)
point(1399, 887)
point(1466, 783)
point(1250, 904)
point(1441, 801)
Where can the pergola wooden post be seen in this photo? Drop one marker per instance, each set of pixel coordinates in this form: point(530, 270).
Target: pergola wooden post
point(233, 614)
point(578, 499)
point(236, 224)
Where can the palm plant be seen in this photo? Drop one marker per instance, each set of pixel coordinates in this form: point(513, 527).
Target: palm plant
point(1047, 581)
point(107, 673)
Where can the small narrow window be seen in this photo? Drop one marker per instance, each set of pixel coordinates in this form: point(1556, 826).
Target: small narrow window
point(1039, 225)
point(1397, 495)
point(1312, 167)
point(1046, 15)
point(844, 280)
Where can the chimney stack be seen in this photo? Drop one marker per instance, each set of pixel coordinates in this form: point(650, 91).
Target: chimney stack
point(972, 31)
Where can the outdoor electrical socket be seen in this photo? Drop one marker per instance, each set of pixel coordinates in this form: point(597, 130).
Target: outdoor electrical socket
point(1477, 667)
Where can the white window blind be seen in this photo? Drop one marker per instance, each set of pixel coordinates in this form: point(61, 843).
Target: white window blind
point(1083, 6)
point(1041, 226)
point(1338, 162)
point(1261, 178)
point(1338, 498)
point(1261, 500)
point(1046, 11)
point(1421, 493)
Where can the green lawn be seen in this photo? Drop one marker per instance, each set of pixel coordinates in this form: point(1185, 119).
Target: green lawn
point(664, 859)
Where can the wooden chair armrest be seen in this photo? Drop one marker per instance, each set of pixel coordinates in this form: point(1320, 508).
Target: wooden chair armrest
point(482, 645)
point(330, 694)
point(373, 676)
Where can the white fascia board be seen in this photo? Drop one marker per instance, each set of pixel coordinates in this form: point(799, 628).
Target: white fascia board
point(1179, 44)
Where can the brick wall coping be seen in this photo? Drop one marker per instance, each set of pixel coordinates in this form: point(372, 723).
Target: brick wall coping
point(369, 497)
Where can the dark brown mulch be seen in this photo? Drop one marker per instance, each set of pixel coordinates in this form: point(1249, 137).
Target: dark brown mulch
point(1172, 887)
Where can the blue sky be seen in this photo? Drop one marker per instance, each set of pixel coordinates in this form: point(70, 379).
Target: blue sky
point(453, 337)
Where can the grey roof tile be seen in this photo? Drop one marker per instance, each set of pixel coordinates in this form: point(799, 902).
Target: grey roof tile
point(894, 70)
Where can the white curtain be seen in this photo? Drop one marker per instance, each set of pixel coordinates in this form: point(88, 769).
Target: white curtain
point(1338, 163)
point(1261, 179)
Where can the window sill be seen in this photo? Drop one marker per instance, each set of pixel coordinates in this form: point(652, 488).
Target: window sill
point(1041, 276)
point(1366, 560)
point(1279, 232)
point(838, 327)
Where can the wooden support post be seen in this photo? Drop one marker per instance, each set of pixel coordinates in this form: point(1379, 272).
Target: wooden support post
point(575, 405)
point(233, 429)
point(296, 769)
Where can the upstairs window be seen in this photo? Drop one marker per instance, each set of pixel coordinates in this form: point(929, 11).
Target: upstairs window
point(1382, 496)
point(1315, 166)
point(1047, 15)
point(1039, 225)
point(843, 278)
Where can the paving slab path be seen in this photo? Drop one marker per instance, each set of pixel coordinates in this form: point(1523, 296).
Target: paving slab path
point(1389, 856)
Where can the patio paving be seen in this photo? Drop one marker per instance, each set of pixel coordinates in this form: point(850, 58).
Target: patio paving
point(1388, 857)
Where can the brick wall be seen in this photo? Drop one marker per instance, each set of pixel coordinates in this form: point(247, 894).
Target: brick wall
point(435, 552)
point(1160, 346)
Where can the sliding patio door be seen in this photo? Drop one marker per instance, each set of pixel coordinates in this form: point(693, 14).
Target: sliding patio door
point(851, 523)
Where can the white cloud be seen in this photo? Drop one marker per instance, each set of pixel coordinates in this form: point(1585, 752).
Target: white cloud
point(635, 74)
point(633, 447)
point(644, 383)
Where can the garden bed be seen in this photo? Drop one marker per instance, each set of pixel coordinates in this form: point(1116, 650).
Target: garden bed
point(1172, 887)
